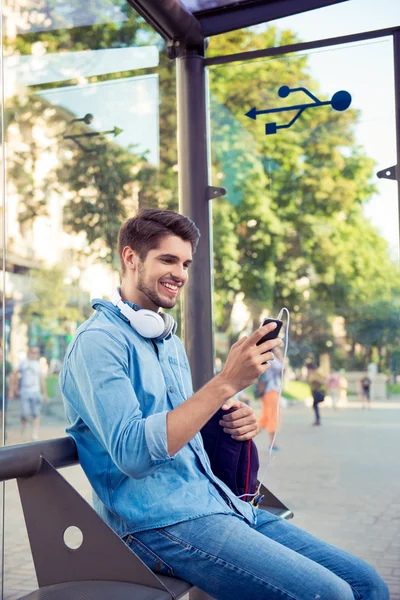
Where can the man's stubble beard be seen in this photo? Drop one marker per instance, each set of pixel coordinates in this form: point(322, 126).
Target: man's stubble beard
point(151, 293)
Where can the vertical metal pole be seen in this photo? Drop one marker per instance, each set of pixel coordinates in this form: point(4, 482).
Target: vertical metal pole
point(396, 50)
point(193, 202)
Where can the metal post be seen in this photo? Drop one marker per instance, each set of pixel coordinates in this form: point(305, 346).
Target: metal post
point(396, 50)
point(194, 203)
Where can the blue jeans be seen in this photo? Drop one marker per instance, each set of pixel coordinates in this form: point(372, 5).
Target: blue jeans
point(227, 558)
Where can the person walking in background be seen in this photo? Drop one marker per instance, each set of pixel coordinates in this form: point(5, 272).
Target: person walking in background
point(333, 385)
point(366, 392)
point(317, 384)
point(30, 386)
point(343, 387)
point(269, 386)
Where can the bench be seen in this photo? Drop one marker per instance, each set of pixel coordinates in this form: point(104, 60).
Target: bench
point(103, 566)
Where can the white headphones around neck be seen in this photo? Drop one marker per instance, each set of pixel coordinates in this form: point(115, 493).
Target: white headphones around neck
point(147, 323)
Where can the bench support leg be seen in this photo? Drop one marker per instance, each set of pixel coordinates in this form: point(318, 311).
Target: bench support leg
point(50, 506)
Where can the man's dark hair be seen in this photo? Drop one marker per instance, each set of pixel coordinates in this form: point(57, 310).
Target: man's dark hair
point(144, 232)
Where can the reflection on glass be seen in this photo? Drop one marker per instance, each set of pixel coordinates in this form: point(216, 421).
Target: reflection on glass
point(83, 115)
point(84, 112)
point(41, 15)
point(133, 125)
point(46, 68)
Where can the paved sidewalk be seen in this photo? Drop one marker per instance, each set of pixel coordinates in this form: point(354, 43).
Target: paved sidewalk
point(342, 480)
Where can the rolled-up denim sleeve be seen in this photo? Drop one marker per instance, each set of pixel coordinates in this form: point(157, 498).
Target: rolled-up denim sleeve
point(155, 429)
point(98, 367)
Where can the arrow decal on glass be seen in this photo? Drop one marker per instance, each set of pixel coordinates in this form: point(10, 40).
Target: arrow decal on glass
point(77, 137)
point(340, 101)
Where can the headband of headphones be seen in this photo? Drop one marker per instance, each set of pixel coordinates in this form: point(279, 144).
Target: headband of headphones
point(147, 323)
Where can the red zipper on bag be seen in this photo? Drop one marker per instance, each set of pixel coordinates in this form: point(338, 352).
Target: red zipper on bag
point(246, 489)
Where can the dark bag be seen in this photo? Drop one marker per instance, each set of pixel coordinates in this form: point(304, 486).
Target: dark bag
point(235, 463)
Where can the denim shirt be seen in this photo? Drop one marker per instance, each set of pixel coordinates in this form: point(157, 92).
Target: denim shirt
point(117, 388)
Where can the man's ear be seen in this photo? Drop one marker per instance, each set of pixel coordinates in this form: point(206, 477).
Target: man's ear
point(130, 258)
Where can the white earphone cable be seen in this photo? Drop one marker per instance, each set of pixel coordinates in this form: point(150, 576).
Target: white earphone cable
point(278, 404)
point(286, 345)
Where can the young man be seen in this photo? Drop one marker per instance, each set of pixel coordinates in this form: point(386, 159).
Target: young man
point(136, 422)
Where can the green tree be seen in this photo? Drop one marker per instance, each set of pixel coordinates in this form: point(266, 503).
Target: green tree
point(291, 229)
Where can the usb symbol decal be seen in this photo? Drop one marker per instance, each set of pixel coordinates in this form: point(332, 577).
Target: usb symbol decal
point(339, 101)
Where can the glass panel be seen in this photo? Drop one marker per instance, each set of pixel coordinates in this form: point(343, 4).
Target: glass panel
point(307, 224)
point(89, 93)
point(340, 19)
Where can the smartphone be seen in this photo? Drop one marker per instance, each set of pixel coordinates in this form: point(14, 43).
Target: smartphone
point(272, 335)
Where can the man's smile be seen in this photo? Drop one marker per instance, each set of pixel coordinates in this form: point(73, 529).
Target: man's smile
point(172, 288)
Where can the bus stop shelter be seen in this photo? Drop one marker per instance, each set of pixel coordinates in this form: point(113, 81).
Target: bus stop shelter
point(186, 25)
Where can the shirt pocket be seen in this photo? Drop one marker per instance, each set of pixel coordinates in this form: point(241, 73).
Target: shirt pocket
point(181, 374)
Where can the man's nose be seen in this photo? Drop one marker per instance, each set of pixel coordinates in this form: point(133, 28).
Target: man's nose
point(179, 272)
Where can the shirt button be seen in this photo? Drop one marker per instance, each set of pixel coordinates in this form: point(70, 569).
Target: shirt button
point(171, 389)
point(197, 448)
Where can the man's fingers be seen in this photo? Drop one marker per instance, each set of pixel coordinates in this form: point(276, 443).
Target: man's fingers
point(244, 438)
point(232, 403)
point(270, 345)
point(266, 357)
point(240, 430)
point(243, 418)
point(261, 331)
point(240, 413)
point(250, 431)
point(240, 341)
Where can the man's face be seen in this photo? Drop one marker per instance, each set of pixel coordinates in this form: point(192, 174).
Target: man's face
point(163, 273)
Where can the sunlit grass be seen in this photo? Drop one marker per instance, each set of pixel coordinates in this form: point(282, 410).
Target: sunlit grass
point(296, 390)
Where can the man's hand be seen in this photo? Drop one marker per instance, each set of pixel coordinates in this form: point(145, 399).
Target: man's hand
point(246, 361)
point(241, 424)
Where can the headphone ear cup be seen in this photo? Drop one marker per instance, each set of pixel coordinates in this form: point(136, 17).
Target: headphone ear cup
point(147, 323)
point(169, 325)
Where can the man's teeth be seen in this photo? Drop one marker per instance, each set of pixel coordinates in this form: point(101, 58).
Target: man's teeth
point(170, 286)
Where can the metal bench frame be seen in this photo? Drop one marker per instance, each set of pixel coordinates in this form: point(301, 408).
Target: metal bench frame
point(51, 505)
